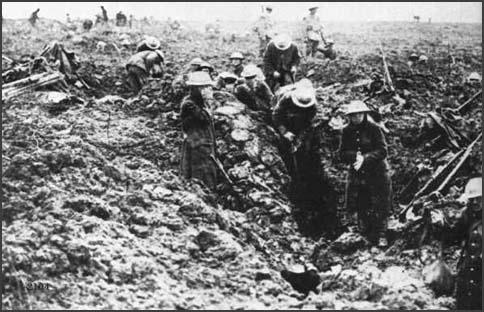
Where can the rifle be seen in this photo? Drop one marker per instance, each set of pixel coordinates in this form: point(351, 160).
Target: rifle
point(461, 156)
point(388, 79)
point(221, 168)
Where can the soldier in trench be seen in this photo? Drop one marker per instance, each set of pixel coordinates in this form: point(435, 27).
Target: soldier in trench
point(368, 188)
point(281, 59)
point(198, 131)
point(469, 230)
point(300, 143)
point(254, 92)
point(141, 65)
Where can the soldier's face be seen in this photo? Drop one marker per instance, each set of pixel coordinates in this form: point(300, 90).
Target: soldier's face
point(357, 118)
point(475, 204)
point(207, 92)
point(235, 62)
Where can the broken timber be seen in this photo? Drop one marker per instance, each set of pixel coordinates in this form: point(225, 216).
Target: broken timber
point(444, 174)
point(29, 84)
point(388, 78)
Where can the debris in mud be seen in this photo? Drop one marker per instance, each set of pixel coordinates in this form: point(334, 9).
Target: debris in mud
point(92, 201)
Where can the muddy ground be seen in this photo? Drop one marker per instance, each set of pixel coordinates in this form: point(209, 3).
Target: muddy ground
point(93, 206)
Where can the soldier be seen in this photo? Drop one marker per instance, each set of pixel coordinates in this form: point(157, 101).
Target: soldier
point(87, 25)
point(281, 59)
point(293, 117)
point(34, 17)
point(199, 136)
point(313, 29)
point(368, 188)
point(208, 68)
point(104, 15)
point(141, 65)
point(130, 22)
point(236, 60)
point(120, 19)
point(148, 44)
point(68, 18)
point(195, 65)
point(254, 92)
point(469, 276)
point(226, 81)
point(264, 29)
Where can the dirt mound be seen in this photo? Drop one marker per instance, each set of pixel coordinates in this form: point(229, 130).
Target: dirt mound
point(94, 208)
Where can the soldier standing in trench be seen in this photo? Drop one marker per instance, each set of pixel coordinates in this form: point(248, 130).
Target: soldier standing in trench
point(198, 131)
point(300, 149)
point(281, 59)
point(368, 188)
point(469, 229)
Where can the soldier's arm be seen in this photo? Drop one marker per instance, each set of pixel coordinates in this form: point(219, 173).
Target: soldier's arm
point(242, 94)
point(279, 116)
point(347, 153)
point(379, 151)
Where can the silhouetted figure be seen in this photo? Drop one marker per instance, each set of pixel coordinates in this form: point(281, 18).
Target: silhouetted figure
point(34, 17)
point(105, 15)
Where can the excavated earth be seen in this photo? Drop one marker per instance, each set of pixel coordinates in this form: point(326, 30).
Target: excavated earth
point(94, 208)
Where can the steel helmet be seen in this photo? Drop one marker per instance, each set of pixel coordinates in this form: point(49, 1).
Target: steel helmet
point(313, 8)
point(152, 43)
point(329, 41)
point(474, 77)
point(413, 57)
point(196, 61)
point(199, 78)
point(357, 107)
point(423, 58)
point(250, 71)
point(303, 97)
point(473, 188)
point(205, 64)
point(282, 42)
point(227, 76)
point(268, 8)
point(236, 56)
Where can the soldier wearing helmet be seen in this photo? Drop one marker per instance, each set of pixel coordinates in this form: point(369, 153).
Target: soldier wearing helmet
point(281, 59)
point(198, 130)
point(312, 195)
point(254, 92)
point(313, 30)
point(143, 64)
point(368, 188)
point(469, 229)
point(236, 65)
point(226, 81)
point(149, 43)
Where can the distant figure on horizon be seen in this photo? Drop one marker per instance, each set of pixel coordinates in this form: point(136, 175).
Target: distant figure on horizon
point(416, 18)
point(105, 14)
point(34, 17)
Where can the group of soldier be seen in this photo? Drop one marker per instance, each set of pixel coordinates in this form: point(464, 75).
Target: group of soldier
point(290, 107)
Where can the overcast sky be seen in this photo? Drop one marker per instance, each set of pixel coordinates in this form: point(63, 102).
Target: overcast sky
point(460, 12)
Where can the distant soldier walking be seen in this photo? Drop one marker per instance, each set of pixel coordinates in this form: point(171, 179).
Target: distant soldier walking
point(313, 29)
